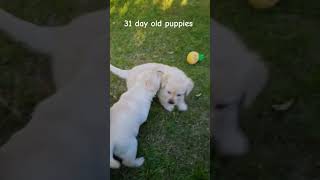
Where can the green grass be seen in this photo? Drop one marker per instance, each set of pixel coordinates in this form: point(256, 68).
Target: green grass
point(175, 145)
point(284, 144)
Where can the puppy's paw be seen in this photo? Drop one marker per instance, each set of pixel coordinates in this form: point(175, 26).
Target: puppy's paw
point(114, 164)
point(169, 107)
point(139, 161)
point(183, 107)
point(134, 163)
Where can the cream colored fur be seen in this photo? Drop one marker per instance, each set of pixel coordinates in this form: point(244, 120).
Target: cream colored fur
point(128, 114)
point(175, 84)
point(238, 77)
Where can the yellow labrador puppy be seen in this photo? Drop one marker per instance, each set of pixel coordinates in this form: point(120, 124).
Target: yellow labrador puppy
point(175, 84)
point(128, 114)
point(67, 135)
point(239, 76)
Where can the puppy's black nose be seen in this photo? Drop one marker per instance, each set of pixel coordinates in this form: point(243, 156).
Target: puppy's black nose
point(171, 101)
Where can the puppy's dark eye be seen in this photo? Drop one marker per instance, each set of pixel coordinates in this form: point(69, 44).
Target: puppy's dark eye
point(169, 92)
point(178, 94)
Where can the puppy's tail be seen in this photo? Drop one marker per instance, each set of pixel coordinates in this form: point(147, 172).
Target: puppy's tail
point(36, 37)
point(256, 82)
point(119, 72)
point(114, 164)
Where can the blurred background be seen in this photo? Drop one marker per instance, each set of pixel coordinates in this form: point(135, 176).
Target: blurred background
point(283, 124)
point(25, 76)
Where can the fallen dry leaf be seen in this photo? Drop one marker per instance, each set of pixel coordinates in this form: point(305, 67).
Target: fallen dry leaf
point(284, 106)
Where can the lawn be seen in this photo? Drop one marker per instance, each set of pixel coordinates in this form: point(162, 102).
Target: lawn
point(175, 145)
point(285, 144)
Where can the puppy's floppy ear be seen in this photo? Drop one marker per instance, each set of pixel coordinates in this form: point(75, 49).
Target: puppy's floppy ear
point(190, 86)
point(155, 76)
point(164, 80)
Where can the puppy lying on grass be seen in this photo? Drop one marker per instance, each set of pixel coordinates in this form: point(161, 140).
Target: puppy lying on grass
point(128, 114)
point(175, 85)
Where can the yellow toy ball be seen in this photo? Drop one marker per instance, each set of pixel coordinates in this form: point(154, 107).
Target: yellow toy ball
point(194, 57)
point(262, 4)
